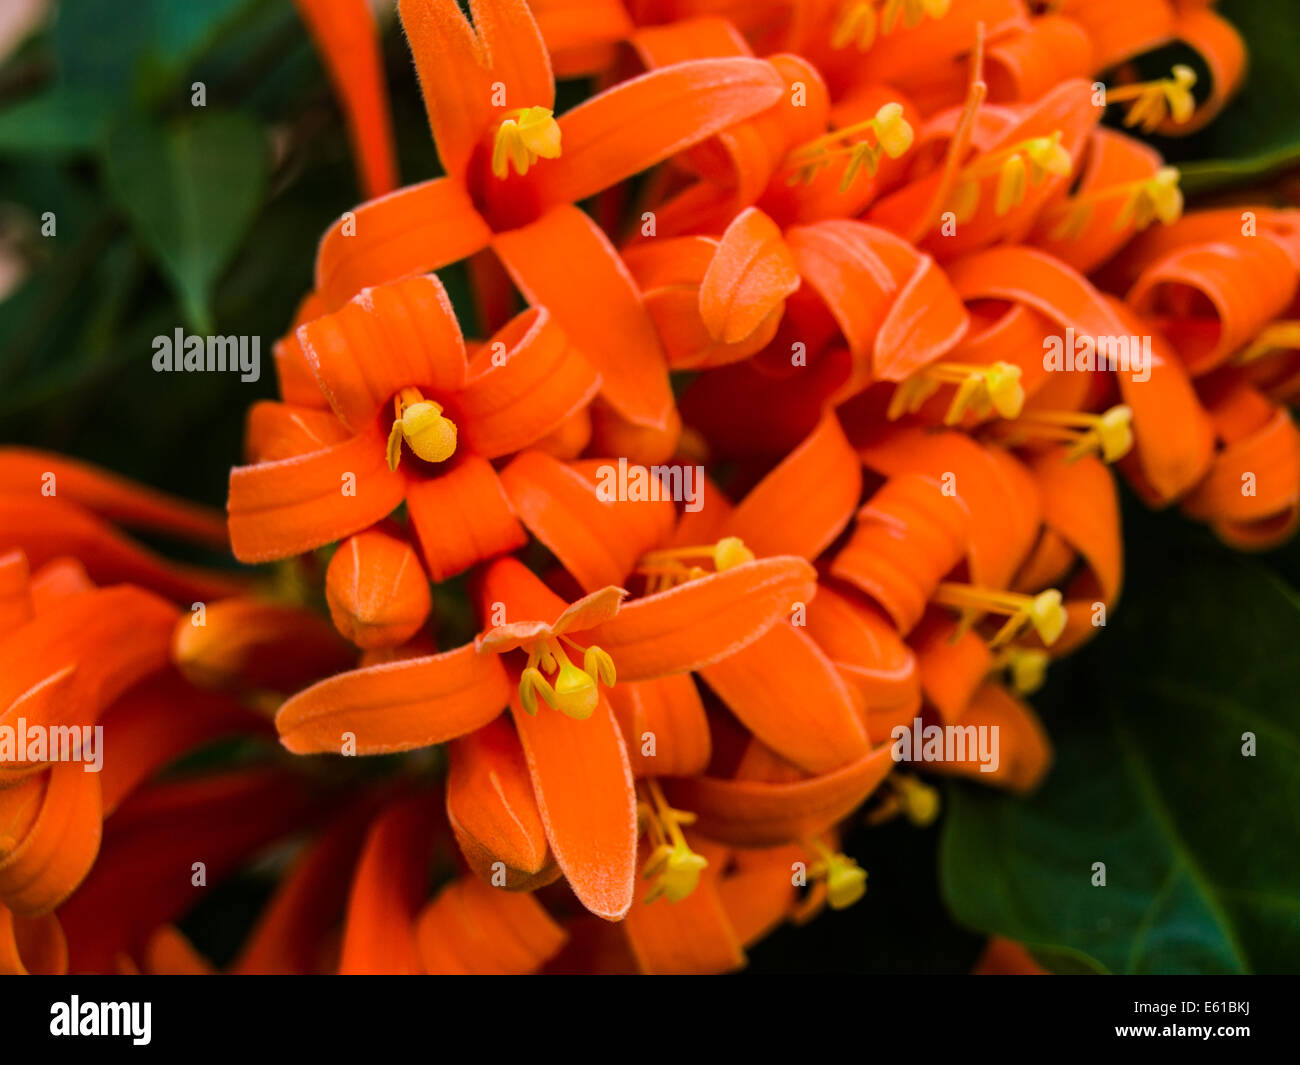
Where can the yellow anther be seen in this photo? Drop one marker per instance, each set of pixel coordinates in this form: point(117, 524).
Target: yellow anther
point(895, 132)
point(1017, 167)
point(672, 865)
point(669, 566)
point(1109, 435)
point(860, 21)
point(729, 552)
point(982, 389)
point(1026, 666)
point(1043, 611)
point(846, 881)
point(919, 802)
point(420, 422)
point(526, 136)
point(574, 692)
point(1154, 101)
point(893, 136)
point(1148, 200)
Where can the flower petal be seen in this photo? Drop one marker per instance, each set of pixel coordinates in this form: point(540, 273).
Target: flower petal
point(646, 119)
point(461, 517)
point(396, 706)
point(584, 791)
point(753, 813)
point(280, 509)
point(390, 883)
point(704, 620)
point(386, 338)
point(598, 540)
point(526, 382)
point(414, 230)
point(790, 696)
point(597, 303)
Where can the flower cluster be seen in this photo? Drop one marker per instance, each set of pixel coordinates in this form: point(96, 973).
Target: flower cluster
point(779, 422)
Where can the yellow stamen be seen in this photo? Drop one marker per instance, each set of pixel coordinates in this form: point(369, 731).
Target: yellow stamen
point(982, 389)
point(1109, 434)
point(918, 800)
point(1026, 667)
point(1016, 167)
point(524, 137)
point(1148, 200)
point(1154, 101)
point(666, 568)
point(893, 137)
point(846, 881)
point(1043, 611)
point(1282, 335)
point(421, 423)
point(574, 692)
point(673, 866)
point(860, 20)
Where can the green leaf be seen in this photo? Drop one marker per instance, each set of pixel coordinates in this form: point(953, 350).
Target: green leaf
point(191, 191)
point(1198, 840)
point(103, 48)
point(59, 121)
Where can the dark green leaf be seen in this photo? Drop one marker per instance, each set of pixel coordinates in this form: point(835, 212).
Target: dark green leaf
point(1198, 840)
point(191, 191)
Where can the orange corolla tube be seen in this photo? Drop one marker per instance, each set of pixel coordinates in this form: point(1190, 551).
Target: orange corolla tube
point(1005, 512)
point(66, 665)
point(50, 827)
point(293, 934)
point(31, 473)
point(909, 536)
point(690, 936)
point(1120, 29)
point(388, 886)
point(1251, 494)
point(154, 838)
point(32, 945)
point(880, 670)
point(756, 813)
point(347, 36)
point(894, 306)
point(715, 302)
point(953, 664)
point(1024, 750)
point(470, 928)
point(664, 725)
point(1211, 299)
point(1081, 509)
point(247, 644)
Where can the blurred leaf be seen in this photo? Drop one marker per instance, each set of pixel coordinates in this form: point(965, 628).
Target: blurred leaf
point(191, 190)
point(63, 120)
point(1199, 841)
point(137, 51)
point(1259, 131)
